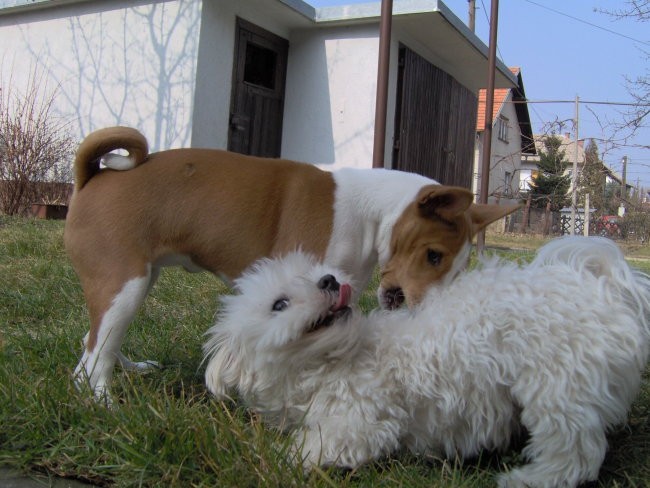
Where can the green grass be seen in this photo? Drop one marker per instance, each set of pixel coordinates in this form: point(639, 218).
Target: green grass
point(165, 430)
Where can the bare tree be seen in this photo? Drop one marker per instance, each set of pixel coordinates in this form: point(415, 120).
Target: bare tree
point(636, 9)
point(639, 86)
point(35, 147)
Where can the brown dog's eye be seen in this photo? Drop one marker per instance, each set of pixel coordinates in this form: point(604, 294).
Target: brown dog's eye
point(280, 304)
point(434, 257)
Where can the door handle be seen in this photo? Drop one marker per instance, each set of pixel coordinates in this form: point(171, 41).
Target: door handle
point(239, 122)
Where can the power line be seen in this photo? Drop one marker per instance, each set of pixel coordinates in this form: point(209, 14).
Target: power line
point(590, 102)
point(487, 19)
point(588, 23)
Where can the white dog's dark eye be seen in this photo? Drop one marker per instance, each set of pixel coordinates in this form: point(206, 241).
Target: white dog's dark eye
point(280, 304)
point(434, 257)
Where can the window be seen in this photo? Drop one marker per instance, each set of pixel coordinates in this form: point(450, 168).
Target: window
point(508, 184)
point(502, 128)
point(259, 68)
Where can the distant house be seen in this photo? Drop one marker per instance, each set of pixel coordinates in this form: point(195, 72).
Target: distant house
point(272, 77)
point(613, 178)
point(529, 166)
point(529, 162)
point(568, 145)
point(511, 142)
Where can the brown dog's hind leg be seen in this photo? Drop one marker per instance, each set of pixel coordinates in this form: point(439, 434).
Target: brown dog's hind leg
point(110, 315)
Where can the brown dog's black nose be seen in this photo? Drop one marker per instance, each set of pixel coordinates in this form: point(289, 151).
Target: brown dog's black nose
point(393, 298)
point(328, 283)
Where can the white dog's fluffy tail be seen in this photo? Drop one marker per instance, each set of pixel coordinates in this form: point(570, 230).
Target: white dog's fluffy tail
point(601, 257)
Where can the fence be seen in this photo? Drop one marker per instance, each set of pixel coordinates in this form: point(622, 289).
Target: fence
point(553, 223)
point(537, 222)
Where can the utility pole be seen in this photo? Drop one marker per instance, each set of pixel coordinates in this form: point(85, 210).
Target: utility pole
point(624, 179)
point(574, 176)
point(471, 23)
point(489, 110)
point(587, 216)
point(621, 208)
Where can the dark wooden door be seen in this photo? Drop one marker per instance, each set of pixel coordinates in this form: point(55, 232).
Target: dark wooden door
point(435, 122)
point(257, 100)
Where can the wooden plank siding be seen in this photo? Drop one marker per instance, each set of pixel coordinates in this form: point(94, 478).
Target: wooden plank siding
point(435, 122)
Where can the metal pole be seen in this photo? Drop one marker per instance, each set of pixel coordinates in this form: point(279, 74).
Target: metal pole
point(621, 207)
point(471, 15)
point(624, 180)
point(587, 216)
point(381, 103)
point(489, 111)
point(574, 179)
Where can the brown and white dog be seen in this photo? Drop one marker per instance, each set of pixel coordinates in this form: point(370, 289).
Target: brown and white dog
point(213, 210)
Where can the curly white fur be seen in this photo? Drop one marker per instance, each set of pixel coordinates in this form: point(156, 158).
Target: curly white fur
point(556, 346)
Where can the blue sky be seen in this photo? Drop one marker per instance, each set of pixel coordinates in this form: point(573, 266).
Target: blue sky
point(566, 49)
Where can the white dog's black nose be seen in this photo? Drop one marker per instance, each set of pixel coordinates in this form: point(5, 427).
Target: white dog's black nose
point(328, 283)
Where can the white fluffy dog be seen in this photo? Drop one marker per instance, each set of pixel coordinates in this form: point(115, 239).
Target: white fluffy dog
point(556, 346)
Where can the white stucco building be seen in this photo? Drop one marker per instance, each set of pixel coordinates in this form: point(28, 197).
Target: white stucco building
point(270, 77)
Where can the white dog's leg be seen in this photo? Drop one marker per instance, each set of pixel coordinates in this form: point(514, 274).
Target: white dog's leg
point(567, 447)
point(348, 443)
point(318, 449)
point(96, 365)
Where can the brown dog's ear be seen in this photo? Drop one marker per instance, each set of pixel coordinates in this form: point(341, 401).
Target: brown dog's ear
point(445, 202)
point(481, 215)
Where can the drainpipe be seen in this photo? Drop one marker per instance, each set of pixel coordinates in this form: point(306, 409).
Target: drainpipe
point(381, 103)
point(489, 111)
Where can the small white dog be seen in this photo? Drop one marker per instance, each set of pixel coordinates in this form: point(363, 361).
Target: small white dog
point(556, 346)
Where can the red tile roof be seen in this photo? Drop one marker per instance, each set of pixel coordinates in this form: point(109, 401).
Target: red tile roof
point(500, 95)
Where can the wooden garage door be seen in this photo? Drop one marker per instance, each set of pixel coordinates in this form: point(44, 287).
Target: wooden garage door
point(435, 122)
point(257, 101)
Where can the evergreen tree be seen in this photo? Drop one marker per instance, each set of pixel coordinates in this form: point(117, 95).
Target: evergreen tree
point(592, 180)
point(612, 198)
point(550, 185)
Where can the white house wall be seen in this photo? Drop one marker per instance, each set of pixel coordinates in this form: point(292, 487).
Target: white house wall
point(110, 63)
point(331, 90)
point(506, 156)
point(166, 67)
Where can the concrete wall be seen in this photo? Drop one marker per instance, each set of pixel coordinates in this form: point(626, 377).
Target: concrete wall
point(331, 89)
point(109, 63)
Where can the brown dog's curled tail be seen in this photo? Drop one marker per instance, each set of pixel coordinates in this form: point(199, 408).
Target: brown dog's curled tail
point(100, 143)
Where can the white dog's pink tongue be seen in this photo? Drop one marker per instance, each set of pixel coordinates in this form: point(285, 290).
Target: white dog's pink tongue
point(345, 293)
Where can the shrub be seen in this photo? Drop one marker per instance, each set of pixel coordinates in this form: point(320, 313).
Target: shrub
point(35, 147)
point(636, 225)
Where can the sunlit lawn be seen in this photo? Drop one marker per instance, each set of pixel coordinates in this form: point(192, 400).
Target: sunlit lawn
point(165, 429)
